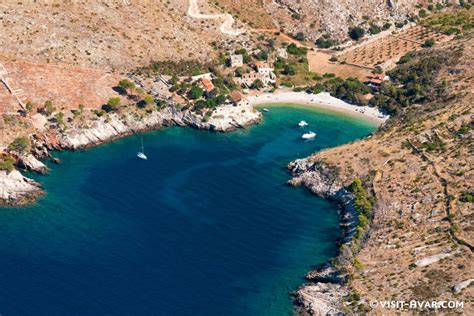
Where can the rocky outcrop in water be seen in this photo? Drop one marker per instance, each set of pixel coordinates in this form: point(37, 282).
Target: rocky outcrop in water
point(16, 189)
point(323, 181)
point(29, 162)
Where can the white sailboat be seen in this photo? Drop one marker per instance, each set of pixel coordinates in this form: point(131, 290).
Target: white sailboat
point(308, 135)
point(141, 154)
point(302, 124)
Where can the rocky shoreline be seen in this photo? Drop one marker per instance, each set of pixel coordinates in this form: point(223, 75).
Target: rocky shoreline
point(17, 189)
point(327, 288)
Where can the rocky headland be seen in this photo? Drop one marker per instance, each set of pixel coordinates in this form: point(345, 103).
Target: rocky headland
point(325, 294)
point(18, 189)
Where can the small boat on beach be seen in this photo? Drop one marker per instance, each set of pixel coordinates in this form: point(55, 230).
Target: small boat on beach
point(309, 135)
point(302, 124)
point(141, 154)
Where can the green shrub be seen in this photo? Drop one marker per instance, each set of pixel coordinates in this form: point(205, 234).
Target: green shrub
point(374, 29)
point(295, 50)
point(49, 107)
point(356, 33)
point(406, 58)
point(429, 43)
point(59, 118)
point(20, 145)
point(362, 201)
point(325, 42)
point(357, 264)
point(112, 104)
point(196, 92)
point(7, 163)
point(299, 36)
point(126, 85)
point(148, 99)
point(467, 197)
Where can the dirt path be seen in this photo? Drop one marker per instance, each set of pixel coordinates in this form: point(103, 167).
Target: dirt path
point(225, 28)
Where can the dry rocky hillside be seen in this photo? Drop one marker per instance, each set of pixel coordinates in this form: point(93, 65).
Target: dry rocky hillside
point(418, 175)
point(105, 34)
point(74, 52)
point(316, 17)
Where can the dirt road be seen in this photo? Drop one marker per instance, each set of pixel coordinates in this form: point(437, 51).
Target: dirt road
point(226, 27)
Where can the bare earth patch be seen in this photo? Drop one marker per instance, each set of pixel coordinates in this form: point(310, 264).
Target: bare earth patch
point(66, 86)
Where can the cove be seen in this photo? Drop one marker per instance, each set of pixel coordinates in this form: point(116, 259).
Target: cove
point(206, 226)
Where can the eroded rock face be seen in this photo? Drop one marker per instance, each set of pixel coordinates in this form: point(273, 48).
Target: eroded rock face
point(29, 162)
point(319, 178)
point(324, 296)
point(320, 299)
point(16, 189)
point(225, 118)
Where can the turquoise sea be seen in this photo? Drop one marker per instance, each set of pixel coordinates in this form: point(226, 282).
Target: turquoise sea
point(206, 226)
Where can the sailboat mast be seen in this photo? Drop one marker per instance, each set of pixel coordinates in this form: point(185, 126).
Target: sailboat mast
point(143, 151)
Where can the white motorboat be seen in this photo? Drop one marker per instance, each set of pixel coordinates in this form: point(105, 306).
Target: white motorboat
point(302, 124)
point(141, 154)
point(308, 135)
point(265, 110)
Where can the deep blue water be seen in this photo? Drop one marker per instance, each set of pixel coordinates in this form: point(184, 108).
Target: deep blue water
point(206, 226)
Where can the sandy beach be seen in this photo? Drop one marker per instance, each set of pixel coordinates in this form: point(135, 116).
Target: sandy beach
point(322, 100)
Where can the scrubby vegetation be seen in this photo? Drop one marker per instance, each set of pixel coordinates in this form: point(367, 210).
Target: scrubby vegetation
point(111, 105)
point(351, 89)
point(356, 33)
point(292, 49)
point(325, 41)
point(7, 163)
point(20, 145)
point(181, 68)
point(364, 204)
point(374, 29)
point(455, 22)
point(429, 43)
point(414, 81)
point(467, 197)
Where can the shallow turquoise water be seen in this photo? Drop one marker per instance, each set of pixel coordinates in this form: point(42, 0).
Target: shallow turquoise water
point(206, 226)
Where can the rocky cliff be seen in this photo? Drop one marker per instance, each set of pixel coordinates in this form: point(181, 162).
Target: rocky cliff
point(115, 125)
point(16, 189)
point(325, 293)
